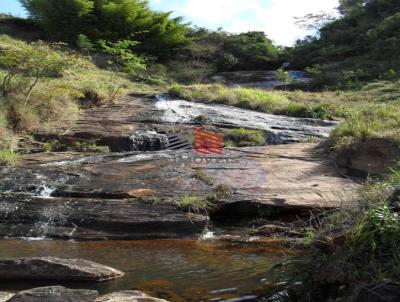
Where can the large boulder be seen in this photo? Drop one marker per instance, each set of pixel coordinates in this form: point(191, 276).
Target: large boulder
point(5, 296)
point(51, 268)
point(55, 294)
point(128, 296)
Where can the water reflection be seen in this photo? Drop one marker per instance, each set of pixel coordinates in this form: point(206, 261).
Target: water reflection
point(173, 270)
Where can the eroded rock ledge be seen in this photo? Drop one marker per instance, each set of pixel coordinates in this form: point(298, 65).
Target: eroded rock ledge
point(139, 195)
point(62, 294)
point(52, 268)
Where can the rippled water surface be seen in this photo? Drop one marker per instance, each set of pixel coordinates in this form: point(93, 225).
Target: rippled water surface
point(174, 270)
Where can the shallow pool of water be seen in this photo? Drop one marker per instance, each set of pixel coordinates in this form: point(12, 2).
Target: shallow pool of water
point(173, 270)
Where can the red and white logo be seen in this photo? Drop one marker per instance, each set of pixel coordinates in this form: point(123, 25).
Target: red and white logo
point(207, 142)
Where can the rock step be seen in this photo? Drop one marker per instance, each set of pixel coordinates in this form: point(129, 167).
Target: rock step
point(52, 268)
point(139, 195)
point(62, 294)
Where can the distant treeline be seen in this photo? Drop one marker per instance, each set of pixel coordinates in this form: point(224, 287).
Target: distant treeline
point(362, 45)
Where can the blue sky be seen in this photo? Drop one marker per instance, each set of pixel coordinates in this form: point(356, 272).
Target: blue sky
point(275, 17)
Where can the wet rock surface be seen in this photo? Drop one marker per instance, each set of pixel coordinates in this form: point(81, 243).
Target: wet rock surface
point(51, 268)
point(143, 124)
point(55, 294)
point(63, 294)
point(128, 296)
point(5, 296)
point(138, 195)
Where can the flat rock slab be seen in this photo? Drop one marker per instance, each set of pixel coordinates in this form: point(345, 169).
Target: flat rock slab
point(55, 294)
point(5, 296)
point(62, 294)
point(51, 268)
point(138, 195)
point(128, 296)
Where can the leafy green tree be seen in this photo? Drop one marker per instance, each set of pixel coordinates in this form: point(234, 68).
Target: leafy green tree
point(25, 65)
point(252, 50)
point(360, 46)
point(111, 20)
point(284, 76)
point(83, 42)
point(123, 60)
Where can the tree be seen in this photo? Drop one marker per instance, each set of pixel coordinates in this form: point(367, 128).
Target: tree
point(111, 20)
point(251, 50)
point(346, 6)
point(25, 65)
point(314, 21)
point(284, 76)
point(124, 60)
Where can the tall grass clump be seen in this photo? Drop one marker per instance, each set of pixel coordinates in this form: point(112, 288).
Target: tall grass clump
point(354, 249)
point(367, 122)
point(274, 102)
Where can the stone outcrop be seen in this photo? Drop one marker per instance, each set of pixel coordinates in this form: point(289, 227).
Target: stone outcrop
point(138, 195)
point(5, 296)
point(373, 156)
point(128, 296)
point(51, 268)
point(55, 294)
point(62, 294)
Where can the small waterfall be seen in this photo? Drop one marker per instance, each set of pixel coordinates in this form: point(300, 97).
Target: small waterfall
point(44, 189)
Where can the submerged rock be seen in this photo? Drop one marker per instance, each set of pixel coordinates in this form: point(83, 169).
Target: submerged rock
point(128, 296)
point(51, 268)
point(55, 294)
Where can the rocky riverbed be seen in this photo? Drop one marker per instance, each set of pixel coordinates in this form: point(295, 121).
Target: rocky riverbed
point(142, 190)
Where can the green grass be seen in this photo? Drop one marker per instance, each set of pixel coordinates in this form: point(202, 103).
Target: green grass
point(366, 123)
point(195, 204)
point(368, 113)
point(204, 177)
point(8, 157)
point(254, 99)
point(368, 253)
point(244, 138)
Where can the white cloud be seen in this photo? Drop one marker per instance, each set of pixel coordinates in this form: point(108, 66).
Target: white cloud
point(275, 17)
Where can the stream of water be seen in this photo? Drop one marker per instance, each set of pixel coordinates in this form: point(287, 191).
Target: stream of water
point(174, 270)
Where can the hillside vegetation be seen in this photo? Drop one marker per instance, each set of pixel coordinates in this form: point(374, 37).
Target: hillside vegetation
point(362, 45)
point(44, 83)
